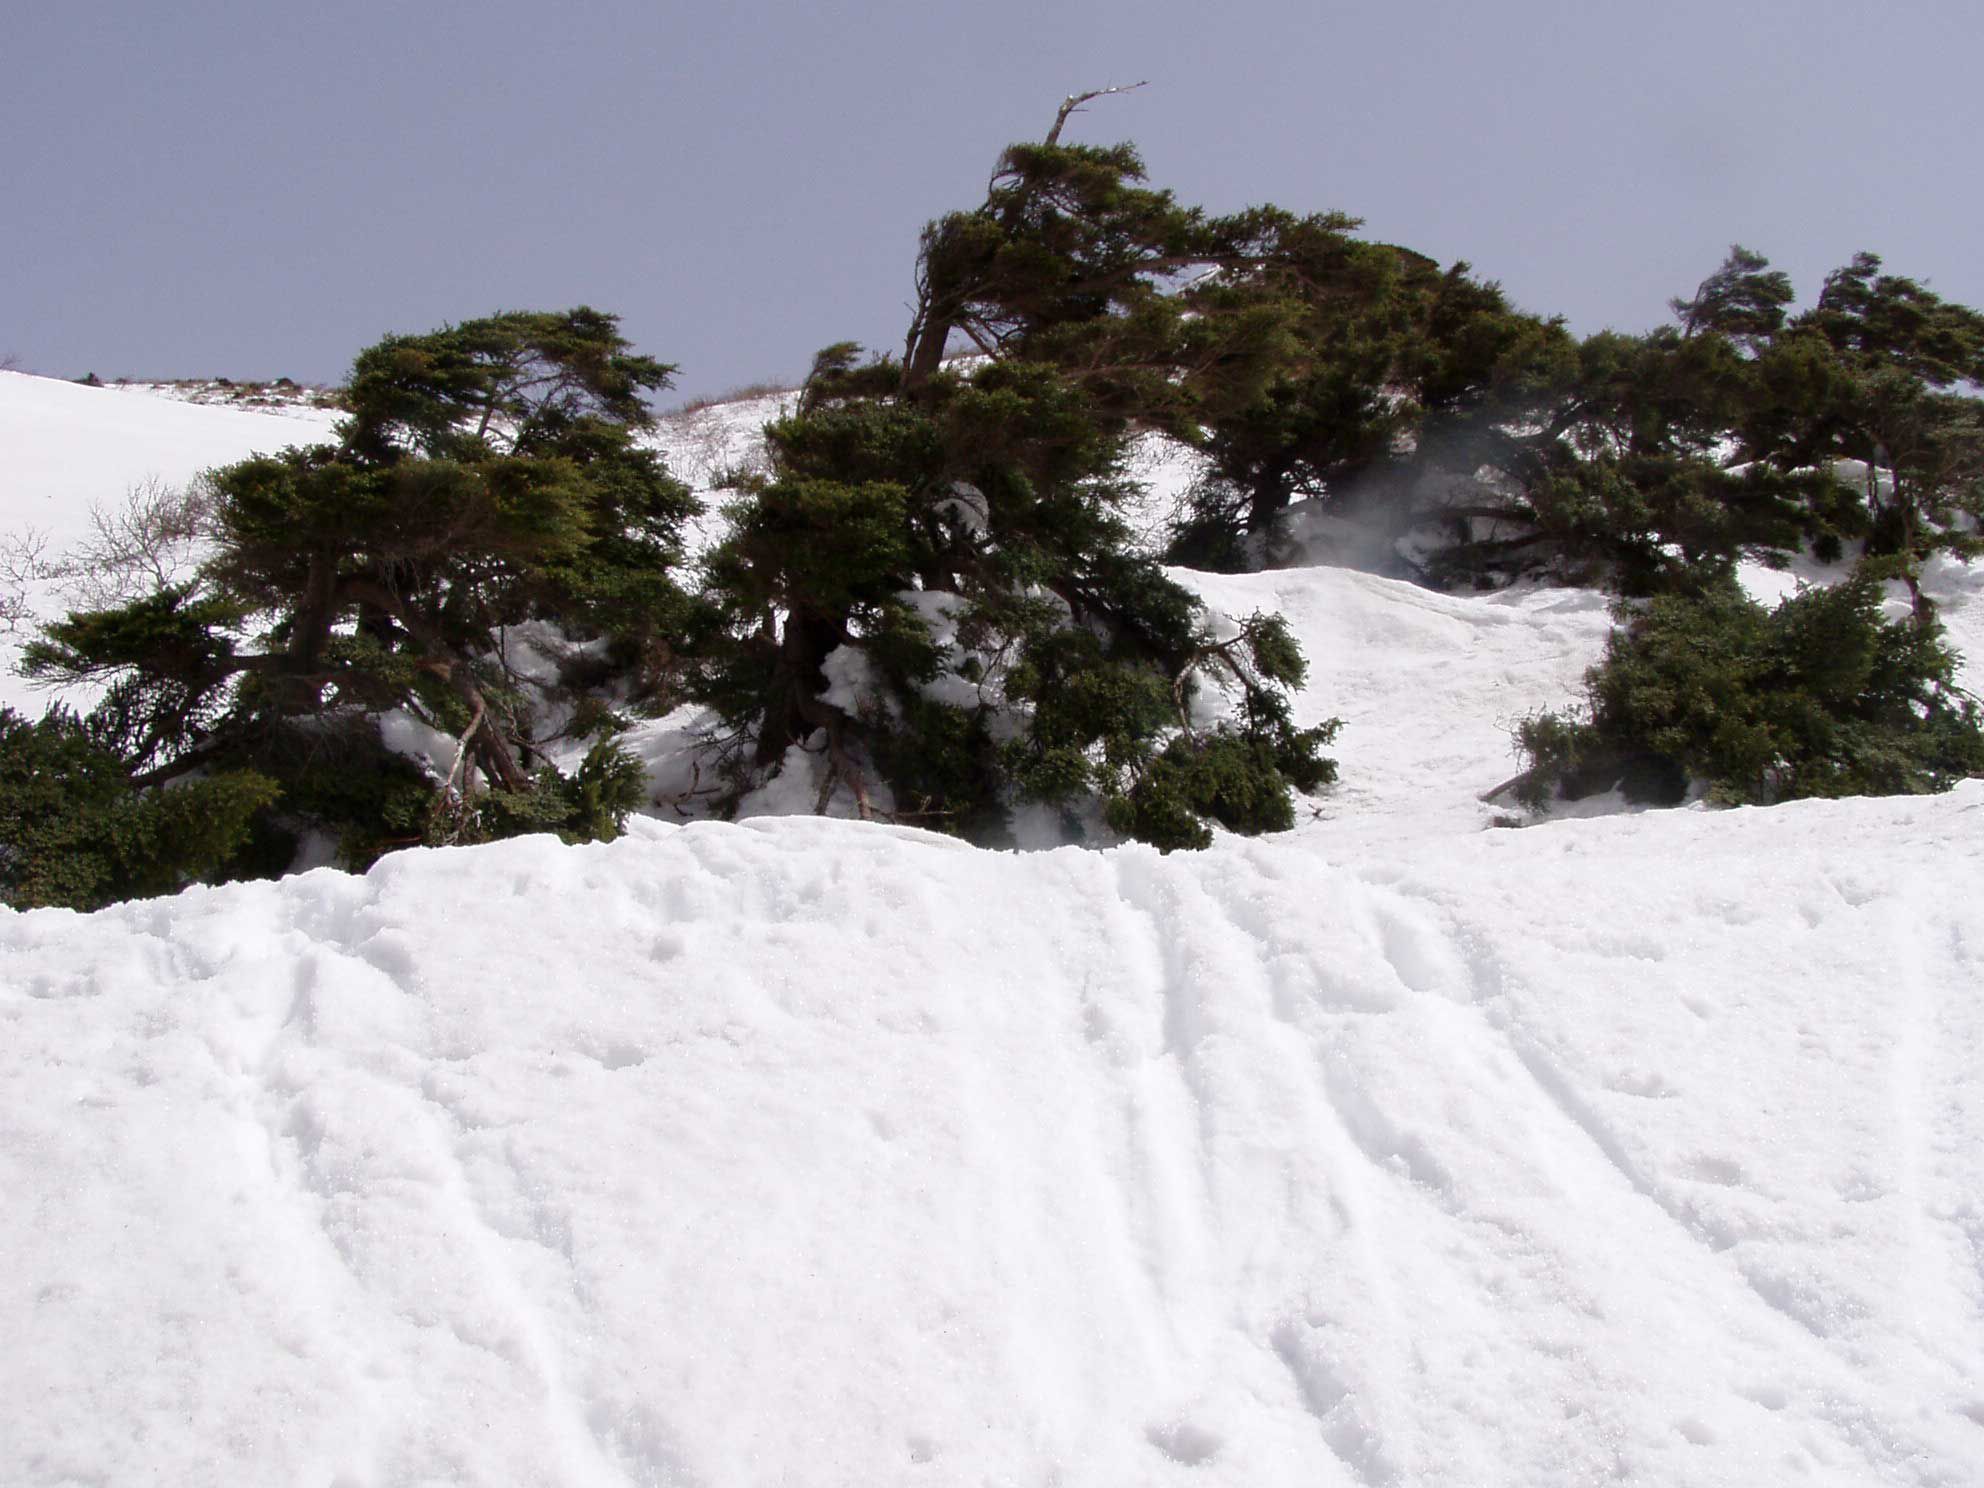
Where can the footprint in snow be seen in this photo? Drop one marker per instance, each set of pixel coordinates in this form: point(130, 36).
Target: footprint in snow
point(1646, 1084)
point(1720, 1171)
point(1185, 1442)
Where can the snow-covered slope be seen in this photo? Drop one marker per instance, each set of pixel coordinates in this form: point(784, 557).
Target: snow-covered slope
point(1645, 1149)
point(1397, 1150)
point(65, 448)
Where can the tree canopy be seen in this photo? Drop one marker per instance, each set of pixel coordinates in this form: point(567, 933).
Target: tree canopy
point(934, 593)
point(488, 474)
point(928, 607)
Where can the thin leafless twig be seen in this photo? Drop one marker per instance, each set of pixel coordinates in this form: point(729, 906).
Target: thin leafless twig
point(1072, 104)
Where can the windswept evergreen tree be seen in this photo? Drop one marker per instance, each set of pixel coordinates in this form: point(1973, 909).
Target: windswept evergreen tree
point(1421, 405)
point(1652, 462)
point(932, 596)
point(1744, 301)
point(1628, 473)
point(1883, 373)
point(488, 473)
point(1403, 381)
point(1689, 446)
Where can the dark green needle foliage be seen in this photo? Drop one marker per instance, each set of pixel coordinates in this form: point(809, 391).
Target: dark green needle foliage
point(960, 555)
point(489, 474)
point(1662, 458)
point(933, 595)
point(1822, 696)
point(74, 834)
point(1418, 404)
point(1402, 379)
point(929, 608)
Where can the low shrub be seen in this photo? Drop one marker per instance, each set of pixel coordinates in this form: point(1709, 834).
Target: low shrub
point(1820, 697)
point(76, 834)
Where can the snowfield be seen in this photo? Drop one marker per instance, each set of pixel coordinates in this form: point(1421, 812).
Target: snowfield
point(68, 448)
point(1397, 1150)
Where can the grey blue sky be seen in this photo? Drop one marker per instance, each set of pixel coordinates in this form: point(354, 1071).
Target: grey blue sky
point(218, 187)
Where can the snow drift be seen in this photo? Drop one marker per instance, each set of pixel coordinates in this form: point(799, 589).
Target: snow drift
point(1395, 1150)
point(1642, 1149)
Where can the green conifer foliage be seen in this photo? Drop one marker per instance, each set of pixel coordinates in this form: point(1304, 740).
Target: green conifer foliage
point(933, 592)
point(960, 555)
point(1883, 372)
point(1399, 371)
point(1162, 313)
point(1667, 455)
point(1744, 300)
point(74, 834)
point(1420, 402)
point(489, 474)
point(1820, 697)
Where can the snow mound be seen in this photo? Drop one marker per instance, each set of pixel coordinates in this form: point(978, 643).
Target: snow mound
point(1647, 1148)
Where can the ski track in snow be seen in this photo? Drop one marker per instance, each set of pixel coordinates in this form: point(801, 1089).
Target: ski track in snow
point(1245, 1166)
point(1391, 1151)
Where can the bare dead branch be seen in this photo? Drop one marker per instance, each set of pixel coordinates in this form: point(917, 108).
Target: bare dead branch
point(452, 800)
point(455, 771)
point(24, 563)
point(150, 541)
point(1072, 104)
point(840, 771)
point(499, 762)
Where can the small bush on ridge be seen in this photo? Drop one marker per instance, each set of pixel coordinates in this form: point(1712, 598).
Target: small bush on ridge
point(1820, 697)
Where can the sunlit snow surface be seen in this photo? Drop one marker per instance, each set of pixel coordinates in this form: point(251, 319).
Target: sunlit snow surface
point(1399, 1150)
point(66, 448)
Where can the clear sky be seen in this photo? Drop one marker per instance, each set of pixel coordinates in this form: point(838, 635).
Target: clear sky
point(220, 187)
